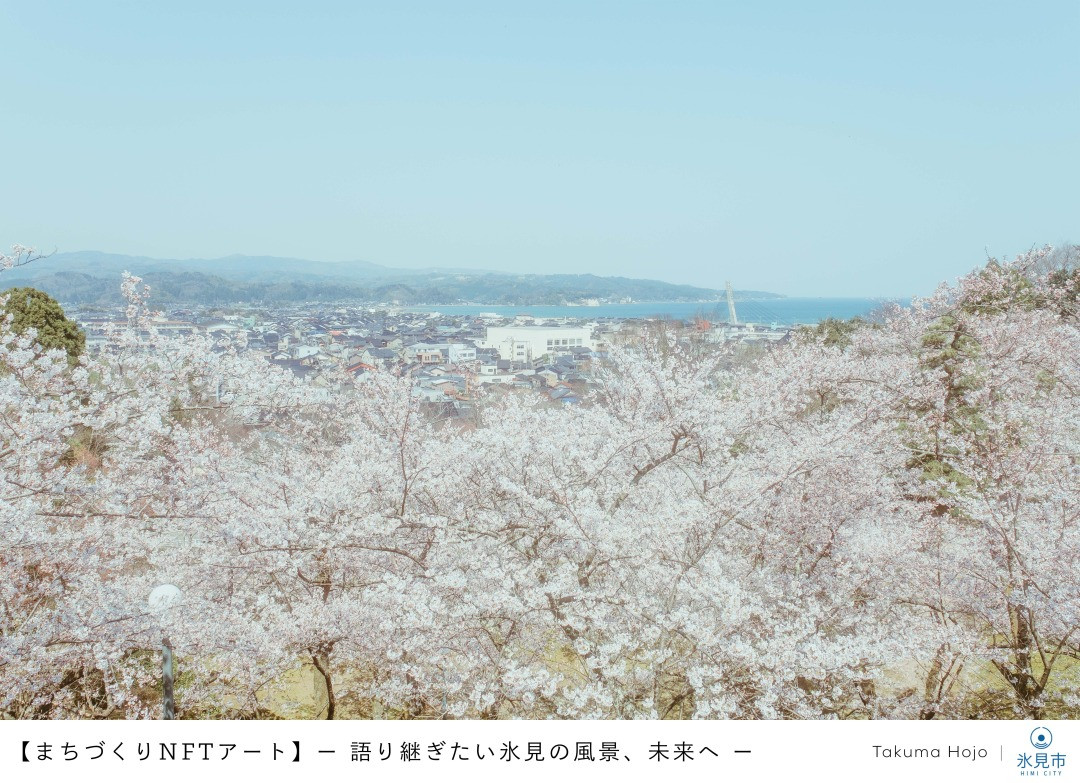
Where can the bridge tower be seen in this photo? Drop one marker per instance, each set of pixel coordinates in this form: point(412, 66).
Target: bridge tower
point(732, 318)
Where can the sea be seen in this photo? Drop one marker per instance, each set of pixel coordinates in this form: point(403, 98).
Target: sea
point(786, 311)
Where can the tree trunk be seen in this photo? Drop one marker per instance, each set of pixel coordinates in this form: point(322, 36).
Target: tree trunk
point(321, 660)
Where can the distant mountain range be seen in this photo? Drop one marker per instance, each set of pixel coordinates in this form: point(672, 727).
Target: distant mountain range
point(92, 277)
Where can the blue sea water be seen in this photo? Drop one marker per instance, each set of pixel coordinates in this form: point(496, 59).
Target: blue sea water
point(787, 311)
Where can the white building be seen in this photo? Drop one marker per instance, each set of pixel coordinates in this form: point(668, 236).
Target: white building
point(501, 378)
point(528, 343)
point(460, 353)
point(456, 353)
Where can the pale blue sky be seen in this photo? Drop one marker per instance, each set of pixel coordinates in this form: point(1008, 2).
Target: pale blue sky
point(806, 148)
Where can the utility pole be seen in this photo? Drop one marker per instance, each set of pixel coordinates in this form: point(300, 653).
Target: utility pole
point(732, 318)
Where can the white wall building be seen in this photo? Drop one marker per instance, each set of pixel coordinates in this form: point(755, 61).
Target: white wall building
point(528, 343)
point(456, 353)
point(501, 378)
point(461, 353)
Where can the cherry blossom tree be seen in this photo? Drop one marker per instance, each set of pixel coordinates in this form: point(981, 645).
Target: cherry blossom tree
point(993, 428)
point(883, 525)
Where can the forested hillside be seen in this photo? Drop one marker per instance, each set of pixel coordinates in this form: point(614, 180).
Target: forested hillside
point(85, 278)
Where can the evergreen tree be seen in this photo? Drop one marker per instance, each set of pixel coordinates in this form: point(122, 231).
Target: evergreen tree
point(31, 308)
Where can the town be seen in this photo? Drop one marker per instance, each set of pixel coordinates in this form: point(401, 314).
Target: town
point(449, 358)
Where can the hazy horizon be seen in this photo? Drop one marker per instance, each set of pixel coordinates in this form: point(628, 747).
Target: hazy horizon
point(41, 255)
point(840, 150)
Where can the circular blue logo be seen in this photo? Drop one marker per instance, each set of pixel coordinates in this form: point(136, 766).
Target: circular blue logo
point(1041, 738)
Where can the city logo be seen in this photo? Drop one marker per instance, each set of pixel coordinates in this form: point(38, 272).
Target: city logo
point(1040, 763)
point(1041, 738)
